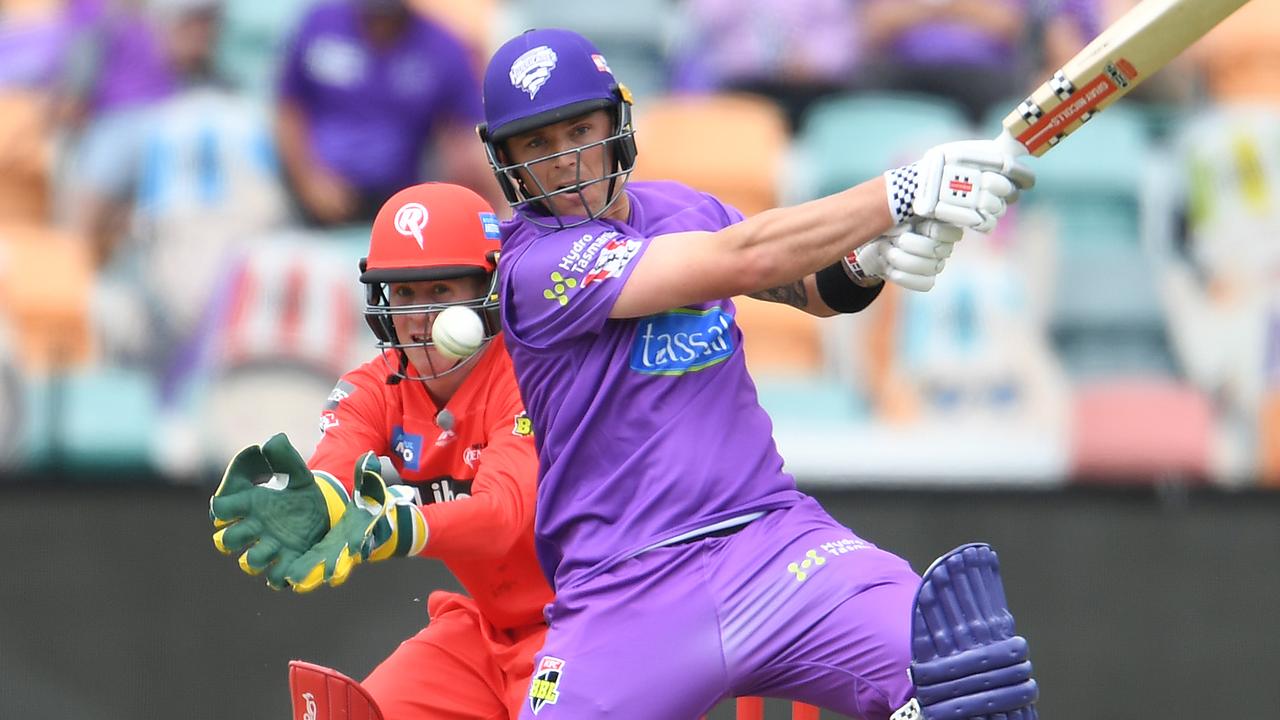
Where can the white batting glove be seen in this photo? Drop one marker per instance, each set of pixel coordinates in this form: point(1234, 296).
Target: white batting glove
point(969, 184)
point(910, 257)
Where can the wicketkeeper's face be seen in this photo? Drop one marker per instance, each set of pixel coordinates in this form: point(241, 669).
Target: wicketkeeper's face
point(569, 159)
point(413, 329)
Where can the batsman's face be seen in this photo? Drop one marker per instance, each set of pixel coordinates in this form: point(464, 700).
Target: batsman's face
point(415, 327)
point(557, 163)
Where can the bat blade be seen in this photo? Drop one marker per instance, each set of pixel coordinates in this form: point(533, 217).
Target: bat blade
point(1132, 49)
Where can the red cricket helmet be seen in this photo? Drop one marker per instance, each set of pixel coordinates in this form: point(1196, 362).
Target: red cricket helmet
point(432, 231)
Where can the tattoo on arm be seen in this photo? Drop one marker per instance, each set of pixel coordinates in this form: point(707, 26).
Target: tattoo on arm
point(793, 294)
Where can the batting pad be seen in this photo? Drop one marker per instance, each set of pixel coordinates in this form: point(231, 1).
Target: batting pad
point(321, 693)
point(966, 660)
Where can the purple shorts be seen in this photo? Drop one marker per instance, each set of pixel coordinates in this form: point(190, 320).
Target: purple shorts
point(792, 606)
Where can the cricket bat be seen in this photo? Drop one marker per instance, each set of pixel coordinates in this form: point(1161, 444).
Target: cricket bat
point(1132, 49)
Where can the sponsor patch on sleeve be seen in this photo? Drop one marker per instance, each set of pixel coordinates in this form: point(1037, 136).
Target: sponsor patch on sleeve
point(340, 392)
point(523, 425)
point(614, 257)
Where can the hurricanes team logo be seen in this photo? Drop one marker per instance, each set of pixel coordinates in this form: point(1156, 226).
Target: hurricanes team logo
point(410, 220)
point(545, 687)
point(531, 70)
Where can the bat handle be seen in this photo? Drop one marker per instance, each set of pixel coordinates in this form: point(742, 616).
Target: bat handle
point(1010, 144)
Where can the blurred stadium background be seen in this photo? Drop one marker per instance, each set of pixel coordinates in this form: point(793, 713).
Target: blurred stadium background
point(1095, 387)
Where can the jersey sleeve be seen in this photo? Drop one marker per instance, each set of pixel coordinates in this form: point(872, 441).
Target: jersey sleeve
point(564, 286)
point(732, 215)
point(500, 511)
point(352, 423)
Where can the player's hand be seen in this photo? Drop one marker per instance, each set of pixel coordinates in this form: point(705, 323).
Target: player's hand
point(969, 184)
point(908, 256)
point(271, 508)
point(379, 522)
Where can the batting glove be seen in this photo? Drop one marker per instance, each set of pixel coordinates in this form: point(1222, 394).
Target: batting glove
point(968, 184)
point(272, 508)
point(907, 256)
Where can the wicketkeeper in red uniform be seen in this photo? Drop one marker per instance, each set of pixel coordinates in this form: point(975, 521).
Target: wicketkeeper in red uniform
point(457, 434)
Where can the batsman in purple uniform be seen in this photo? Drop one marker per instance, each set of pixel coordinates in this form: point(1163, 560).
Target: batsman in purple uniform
point(687, 566)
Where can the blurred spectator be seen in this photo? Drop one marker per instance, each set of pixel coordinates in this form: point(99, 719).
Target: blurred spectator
point(792, 52)
point(169, 193)
point(367, 87)
point(1220, 285)
point(965, 50)
point(1064, 28)
point(102, 56)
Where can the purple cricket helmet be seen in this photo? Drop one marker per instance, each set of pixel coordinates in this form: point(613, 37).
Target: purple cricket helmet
point(539, 78)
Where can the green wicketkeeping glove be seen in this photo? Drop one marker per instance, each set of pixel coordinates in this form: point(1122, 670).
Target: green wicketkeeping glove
point(272, 507)
point(380, 522)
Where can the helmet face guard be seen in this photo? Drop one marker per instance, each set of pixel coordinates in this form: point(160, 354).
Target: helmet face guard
point(527, 195)
point(541, 78)
point(381, 314)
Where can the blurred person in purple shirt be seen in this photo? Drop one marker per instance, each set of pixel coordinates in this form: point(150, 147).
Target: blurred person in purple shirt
point(969, 51)
point(367, 86)
point(792, 52)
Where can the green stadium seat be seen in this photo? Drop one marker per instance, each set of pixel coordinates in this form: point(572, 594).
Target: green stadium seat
point(99, 418)
point(847, 139)
point(253, 38)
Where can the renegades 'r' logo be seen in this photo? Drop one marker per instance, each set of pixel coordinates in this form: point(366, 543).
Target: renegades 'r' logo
point(545, 687)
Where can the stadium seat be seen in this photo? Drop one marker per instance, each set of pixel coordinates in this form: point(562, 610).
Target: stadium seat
point(253, 38)
point(45, 281)
point(477, 22)
point(93, 417)
point(1106, 317)
point(779, 339)
point(847, 139)
point(1141, 428)
point(24, 159)
point(732, 146)
point(1241, 56)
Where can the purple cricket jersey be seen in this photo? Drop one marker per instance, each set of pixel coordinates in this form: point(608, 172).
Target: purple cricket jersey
point(648, 427)
point(372, 110)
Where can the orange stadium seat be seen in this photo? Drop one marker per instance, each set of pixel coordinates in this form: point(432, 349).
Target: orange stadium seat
point(1241, 56)
point(732, 146)
point(24, 159)
point(46, 278)
point(1141, 428)
point(473, 21)
point(780, 340)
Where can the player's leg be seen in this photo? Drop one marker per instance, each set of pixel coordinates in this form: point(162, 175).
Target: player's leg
point(639, 642)
point(849, 620)
point(812, 612)
point(445, 672)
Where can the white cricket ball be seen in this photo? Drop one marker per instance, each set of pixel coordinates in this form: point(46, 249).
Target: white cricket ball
point(457, 332)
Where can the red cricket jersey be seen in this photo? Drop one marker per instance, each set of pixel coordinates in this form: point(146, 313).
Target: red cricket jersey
point(478, 480)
